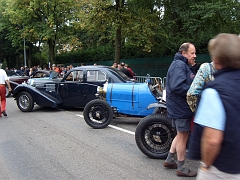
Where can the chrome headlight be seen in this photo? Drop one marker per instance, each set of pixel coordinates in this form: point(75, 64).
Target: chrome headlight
point(101, 91)
point(30, 82)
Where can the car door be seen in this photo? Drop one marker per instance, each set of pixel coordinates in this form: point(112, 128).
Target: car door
point(74, 91)
point(71, 89)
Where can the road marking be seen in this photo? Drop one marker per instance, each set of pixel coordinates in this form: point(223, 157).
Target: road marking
point(121, 129)
point(79, 115)
point(114, 127)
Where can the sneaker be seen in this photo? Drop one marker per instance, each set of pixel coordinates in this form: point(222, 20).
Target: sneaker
point(4, 113)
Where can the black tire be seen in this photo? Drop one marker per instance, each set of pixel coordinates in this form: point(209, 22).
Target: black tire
point(8, 93)
point(98, 114)
point(154, 135)
point(25, 101)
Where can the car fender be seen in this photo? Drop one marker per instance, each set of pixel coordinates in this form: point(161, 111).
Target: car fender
point(39, 97)
point(154, 105)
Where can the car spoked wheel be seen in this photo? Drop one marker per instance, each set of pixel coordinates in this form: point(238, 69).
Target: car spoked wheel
point(98, 114)
point(154, 135)
point(25, 101)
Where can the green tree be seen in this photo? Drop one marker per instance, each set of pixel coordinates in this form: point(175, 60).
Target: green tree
point(44, 21)
point(8, 52)
point(198, 21)
point(124, 22)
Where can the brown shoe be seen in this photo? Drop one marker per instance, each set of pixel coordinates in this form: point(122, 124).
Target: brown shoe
point(170, 166)
point(189, 174)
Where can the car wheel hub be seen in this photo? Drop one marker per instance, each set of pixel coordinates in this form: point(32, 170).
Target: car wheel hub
point(24, 101)
point(158, 137)
point(98, 113)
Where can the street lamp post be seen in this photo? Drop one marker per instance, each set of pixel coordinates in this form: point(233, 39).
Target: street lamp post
point(24, 48)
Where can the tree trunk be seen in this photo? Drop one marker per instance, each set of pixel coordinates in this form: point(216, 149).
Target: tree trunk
point(51, 44)
point(118, 41)
point(17, 61)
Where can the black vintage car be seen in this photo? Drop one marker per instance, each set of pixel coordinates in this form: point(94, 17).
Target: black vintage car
point(75, 89)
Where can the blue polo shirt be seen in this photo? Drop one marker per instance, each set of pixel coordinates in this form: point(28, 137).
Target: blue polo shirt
point(211, 112)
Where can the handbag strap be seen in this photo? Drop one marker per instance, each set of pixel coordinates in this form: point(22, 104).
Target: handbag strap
point(211, 71)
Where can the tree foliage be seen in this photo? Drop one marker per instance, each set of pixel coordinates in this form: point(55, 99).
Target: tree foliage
point(44, 21)
point(130, 28)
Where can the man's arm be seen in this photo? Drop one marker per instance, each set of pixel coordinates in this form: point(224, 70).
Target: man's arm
point(9, 86)
point(211, 145)
point(197, 86)
point(178, 80)
point(213, 119)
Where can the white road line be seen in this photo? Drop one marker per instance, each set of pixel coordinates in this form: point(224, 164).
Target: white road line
point(121, 129)
point(114, 127)
point(79, 115)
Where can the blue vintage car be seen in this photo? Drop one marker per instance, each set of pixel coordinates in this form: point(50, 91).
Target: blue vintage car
point(75, 89)
point(154, 133)
point(117, 99)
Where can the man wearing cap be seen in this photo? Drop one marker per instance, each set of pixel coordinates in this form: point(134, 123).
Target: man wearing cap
point(55, 68)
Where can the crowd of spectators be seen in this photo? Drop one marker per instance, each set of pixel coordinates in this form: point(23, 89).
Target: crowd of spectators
point(26, 71)
point(62, 70)
point(123, 67)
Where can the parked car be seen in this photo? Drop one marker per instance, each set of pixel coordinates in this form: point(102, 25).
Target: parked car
point(15, 79)
point(154, 133)
point(75, 89)
point(118, 100)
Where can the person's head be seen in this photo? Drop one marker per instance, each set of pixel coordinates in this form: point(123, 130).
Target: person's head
point(225, 51)
point(119, 66)
point(122, 64)
point(188, 50)
point(115, 64)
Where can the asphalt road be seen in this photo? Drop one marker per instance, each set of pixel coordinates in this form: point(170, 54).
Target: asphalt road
point(49, 144)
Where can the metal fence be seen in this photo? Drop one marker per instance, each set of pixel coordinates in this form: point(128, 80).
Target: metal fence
point(152, 80)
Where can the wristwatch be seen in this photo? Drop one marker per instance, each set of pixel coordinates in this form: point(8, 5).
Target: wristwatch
point(202, 164)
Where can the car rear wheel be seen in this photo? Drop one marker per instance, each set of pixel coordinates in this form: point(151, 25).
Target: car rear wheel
point(98, 114)
point(154, 135)
point(25, 101)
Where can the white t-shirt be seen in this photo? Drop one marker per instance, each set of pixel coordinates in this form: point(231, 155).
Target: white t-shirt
point(3, 76)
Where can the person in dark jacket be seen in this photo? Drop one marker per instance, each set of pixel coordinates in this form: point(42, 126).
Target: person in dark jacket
point(194, 67)
point(125, 70)
point(217, 119)
point(179, 79)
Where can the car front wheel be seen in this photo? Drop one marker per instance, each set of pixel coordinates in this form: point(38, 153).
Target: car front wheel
point(25, 101)
point(98, 114)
